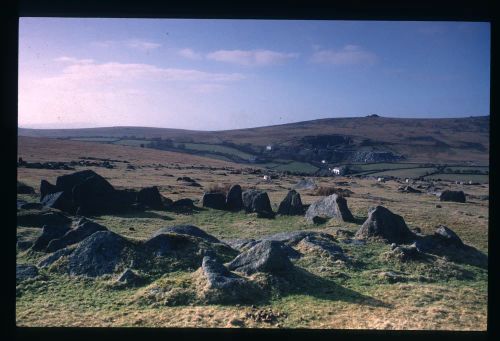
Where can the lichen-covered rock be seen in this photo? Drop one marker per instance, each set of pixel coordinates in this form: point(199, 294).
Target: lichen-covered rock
point(333, 206)
point(99, 254)
point(214, 200)
point(447, 236)
point(291, 204)
point(256, 201)
point(150, 197)
point(456, 196)
point(49, 232)
point(189, 230)
point(234, 200)
point(384, 224)
point(267, 256)
point(82, 228)
point(24, 272)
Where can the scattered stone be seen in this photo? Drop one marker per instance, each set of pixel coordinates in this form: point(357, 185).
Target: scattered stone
point(406, 253)
point(47, 188)
point(52, 258)
point(409, 189)
point(58, 200)
point(447, 236)
point(130, 278)
point(306, 184)
point(322, 243)
point(22, 188)
point(183, 203)
point(99, 254)
point(81, 230)
point(241, 244)
point(234, 200)
point(214, 200)
point(256, 201)
point(333, 206)
point(341, 233)
point(382, 223)
point(31, 206)
point(456, 196)
point(438, 206)
point(24, 272)
point(150, 197)
point(40, 218)
point(391, 277)
point(24, 244)
point(266, 256)
point(224, 286)
point(189, 230)
point(291, 204)
point(49, 232)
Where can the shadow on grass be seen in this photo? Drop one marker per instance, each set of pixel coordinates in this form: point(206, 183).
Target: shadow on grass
point(302, 282)
point(359, 220)
point(142, 214)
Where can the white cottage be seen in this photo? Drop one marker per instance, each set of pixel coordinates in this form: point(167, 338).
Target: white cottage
point(336, 170)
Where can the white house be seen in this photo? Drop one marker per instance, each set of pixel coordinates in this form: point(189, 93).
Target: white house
point(323, 161)
point(336, 170)
point(266, 177)
point(381, 180)
point(269, 147)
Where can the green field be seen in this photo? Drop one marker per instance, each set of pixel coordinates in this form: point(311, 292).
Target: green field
point(215, 148)
point(296, 166)
point(481, 178)
point(406, 173)
point(381, 166)
point(133, 143)
point(466, 169)
point(95, 139)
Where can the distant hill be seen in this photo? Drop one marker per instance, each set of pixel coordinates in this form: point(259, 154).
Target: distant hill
point(371, 138)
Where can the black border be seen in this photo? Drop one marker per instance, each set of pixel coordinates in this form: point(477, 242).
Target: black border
point(439, 10)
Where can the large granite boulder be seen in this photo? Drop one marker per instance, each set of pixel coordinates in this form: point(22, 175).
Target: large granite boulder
point(446, 236)
point(291, 204)
point(234, 200)
point(384, 224)
point(456, 196)
point(81, 230)
point(189, 230)
point(101, 253)
point(267, 256)
point(333, 206)
point(150, 197)
point(256, 201)
point(214, 200)
point(49, 232)
point(24, 272)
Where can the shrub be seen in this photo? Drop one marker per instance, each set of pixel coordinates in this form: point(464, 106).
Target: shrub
point(219, 188)
point(326, 191)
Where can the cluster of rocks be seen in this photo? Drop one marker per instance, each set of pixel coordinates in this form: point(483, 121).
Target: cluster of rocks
point(87, 193)
point(456, 196)
point(408, 189)
point(187, 181)
point(45, 165)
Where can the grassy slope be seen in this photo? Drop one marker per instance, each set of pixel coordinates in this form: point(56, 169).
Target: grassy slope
point(339, 297)
point(412, 137)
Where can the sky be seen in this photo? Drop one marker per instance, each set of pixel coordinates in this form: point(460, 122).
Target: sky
point(231, 74)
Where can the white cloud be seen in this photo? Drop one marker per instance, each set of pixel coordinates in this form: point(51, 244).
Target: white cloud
point(190, 54)
point(142, 44)
point(349, 54)
point(251, 57)
point(113, 92)
point(138, 44)
point(65, 59)
point(112, 71)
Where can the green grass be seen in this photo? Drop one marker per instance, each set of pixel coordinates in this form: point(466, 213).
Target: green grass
point(215, 148)
point(481, 178)
point(402, 173)
point(381, 166)
point(95, 139)
point(296, 166)
point(133, 143)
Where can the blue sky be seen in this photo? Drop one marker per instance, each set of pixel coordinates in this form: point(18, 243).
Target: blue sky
point(229, 74)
